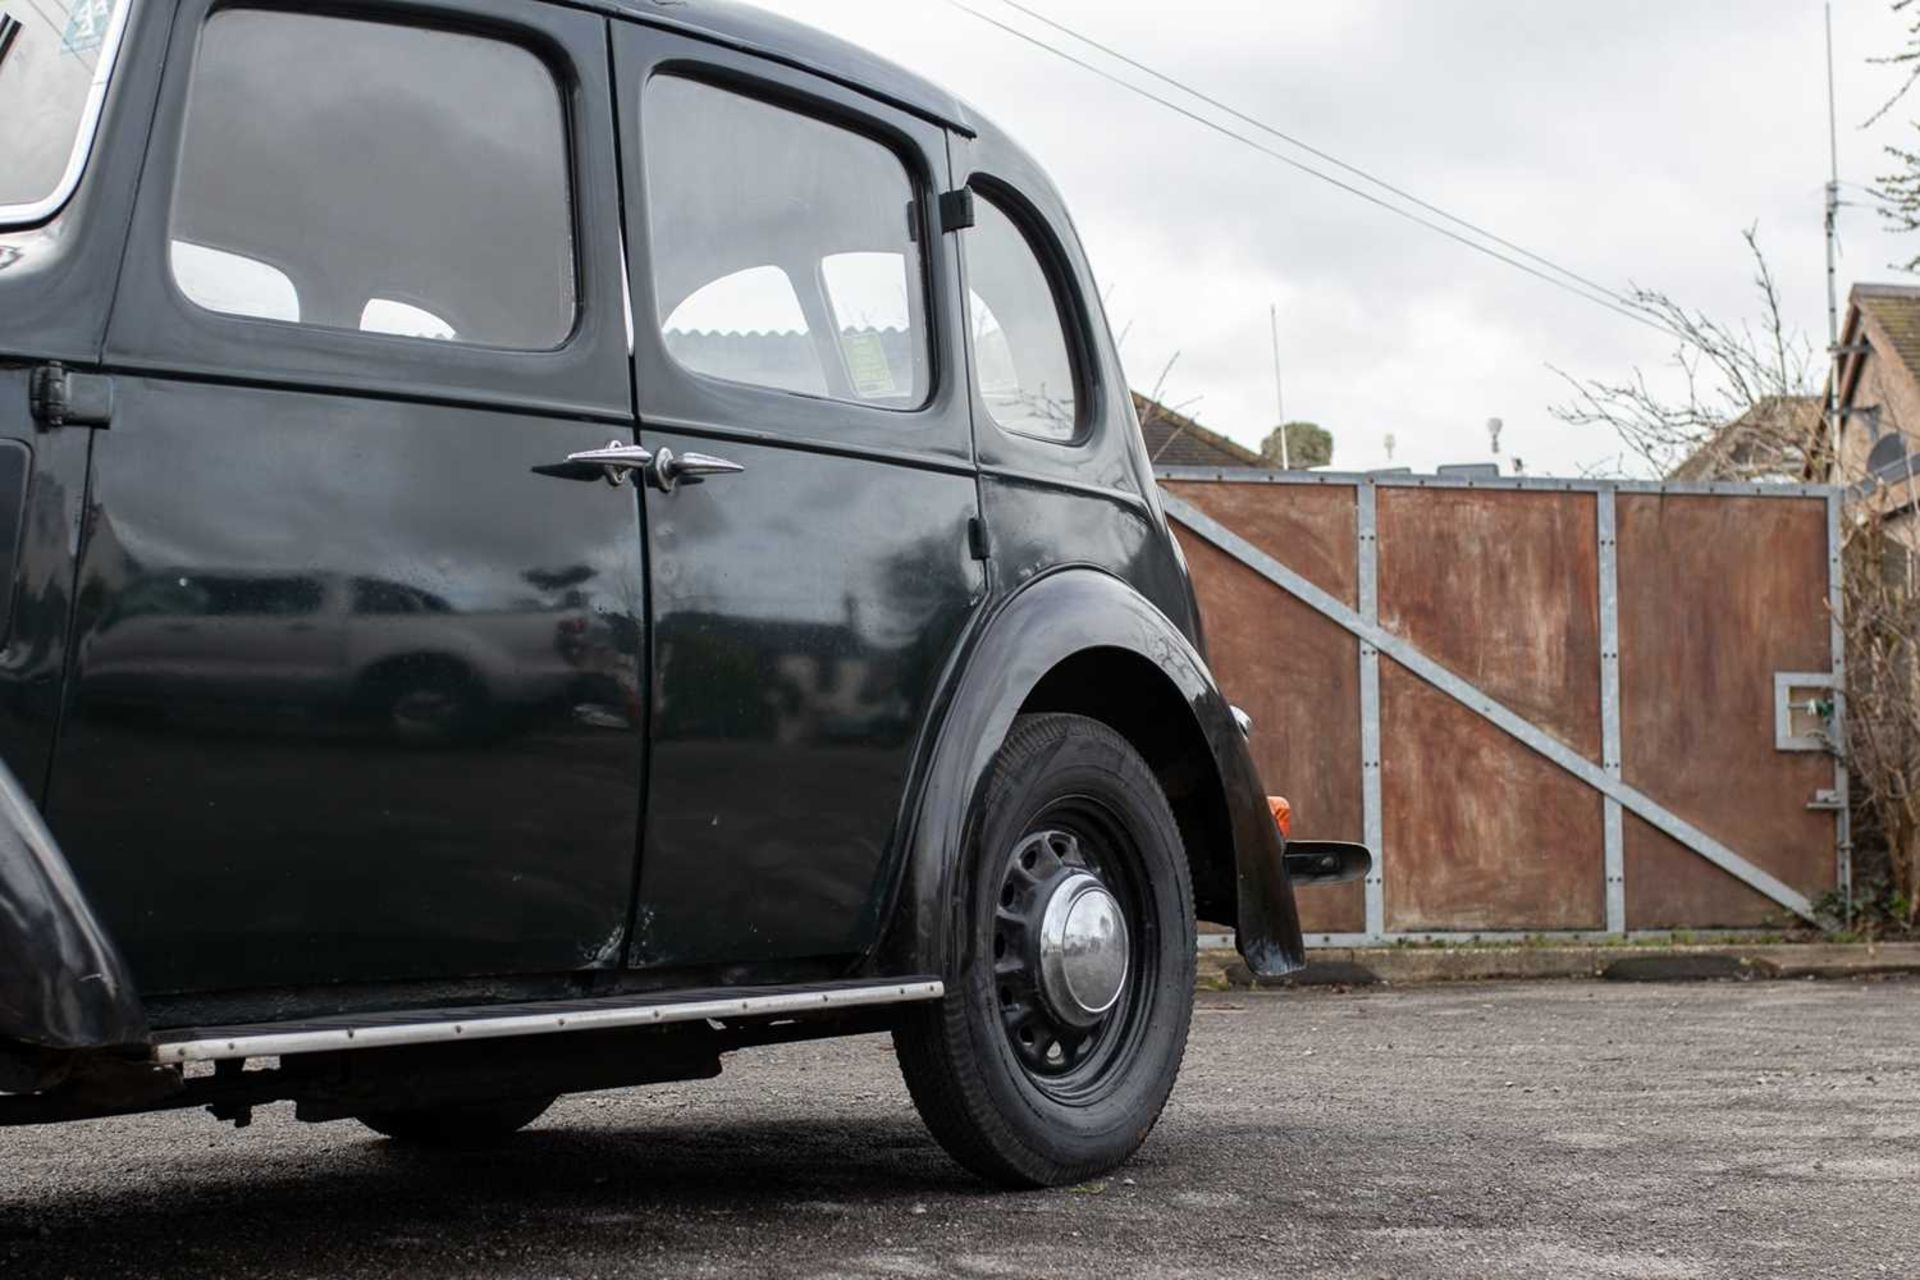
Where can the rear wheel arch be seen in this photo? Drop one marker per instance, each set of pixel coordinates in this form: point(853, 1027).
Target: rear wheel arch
point(1083, 642)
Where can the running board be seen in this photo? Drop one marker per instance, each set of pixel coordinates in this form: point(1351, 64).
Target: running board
point(483, 1022)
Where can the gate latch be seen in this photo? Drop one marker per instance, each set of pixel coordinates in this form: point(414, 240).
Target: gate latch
point(61, 398)
point(1805, 711)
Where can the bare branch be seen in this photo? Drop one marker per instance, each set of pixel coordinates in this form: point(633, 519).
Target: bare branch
point(1908, 57)
point(1735, 416)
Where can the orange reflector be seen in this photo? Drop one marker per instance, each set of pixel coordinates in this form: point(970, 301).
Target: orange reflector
point(1282, 814)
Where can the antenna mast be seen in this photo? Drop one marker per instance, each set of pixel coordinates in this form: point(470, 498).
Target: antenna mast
point(1833, 232)
point(1279, 398)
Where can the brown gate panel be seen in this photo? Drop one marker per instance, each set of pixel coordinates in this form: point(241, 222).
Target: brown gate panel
point(1310, 529)
point(1293, 671)
point(1717, 594)
point(1501, 587)
point(1483, 833)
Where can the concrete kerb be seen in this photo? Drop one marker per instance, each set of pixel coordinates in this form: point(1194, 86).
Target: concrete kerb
point(1220, 968)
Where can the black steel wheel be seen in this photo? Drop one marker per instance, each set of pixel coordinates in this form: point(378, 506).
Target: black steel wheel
point(1068, 1001)
point(463, 1124)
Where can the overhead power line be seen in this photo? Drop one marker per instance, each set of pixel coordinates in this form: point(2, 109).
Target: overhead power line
point(1312, 150)
point(1572, 283)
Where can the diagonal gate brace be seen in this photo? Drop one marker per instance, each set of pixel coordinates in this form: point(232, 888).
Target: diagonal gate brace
point(1497, 713)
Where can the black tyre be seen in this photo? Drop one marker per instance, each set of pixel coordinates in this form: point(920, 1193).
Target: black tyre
point(466, 1124)
point(1019, 1071)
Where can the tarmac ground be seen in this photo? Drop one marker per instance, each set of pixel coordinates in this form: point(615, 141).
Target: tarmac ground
point(1565, 1129)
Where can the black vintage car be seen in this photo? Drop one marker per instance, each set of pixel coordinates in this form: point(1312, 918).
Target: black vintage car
point(549, 542)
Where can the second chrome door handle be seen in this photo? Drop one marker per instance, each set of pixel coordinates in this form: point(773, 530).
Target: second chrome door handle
point(670, 469)
point(664, 469)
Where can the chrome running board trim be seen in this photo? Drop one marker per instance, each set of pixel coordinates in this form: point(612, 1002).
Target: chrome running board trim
point(263, 1041)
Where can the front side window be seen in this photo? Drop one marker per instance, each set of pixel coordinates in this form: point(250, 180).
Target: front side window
point(54, 59)
point(375, 177)
point(784, 249)
point(1020, 354)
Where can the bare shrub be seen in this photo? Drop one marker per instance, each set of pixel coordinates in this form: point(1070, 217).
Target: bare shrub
point(1736, 416)
point(1883, 702)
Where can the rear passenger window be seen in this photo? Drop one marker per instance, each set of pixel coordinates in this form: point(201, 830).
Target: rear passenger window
point(369, 176)
point(1020, 353)
point(784, 249)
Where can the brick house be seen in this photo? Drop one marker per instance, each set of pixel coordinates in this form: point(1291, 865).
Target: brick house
point(1772, 440)
point(1878, 383)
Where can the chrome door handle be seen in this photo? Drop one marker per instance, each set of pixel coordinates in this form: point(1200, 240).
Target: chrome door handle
point(616, 461)
point(670, 469)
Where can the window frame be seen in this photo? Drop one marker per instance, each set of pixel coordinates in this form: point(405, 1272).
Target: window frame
point(1039, 239)
point(918, 197)
point(1069, 309)
point(670, 396)
point(155, 327)
point(373, 17)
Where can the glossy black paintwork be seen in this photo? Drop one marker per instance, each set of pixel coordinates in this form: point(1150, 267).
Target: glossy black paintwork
point(154, 328)
point(774, 39)
point(64, 985)
point(1082, 560)
point(822, 666)
point(804, 612)
point(1050, 619)
point(40, 578)
point(356, 692)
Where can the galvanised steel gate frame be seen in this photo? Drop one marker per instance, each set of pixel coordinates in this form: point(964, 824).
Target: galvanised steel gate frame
point(1604, 777)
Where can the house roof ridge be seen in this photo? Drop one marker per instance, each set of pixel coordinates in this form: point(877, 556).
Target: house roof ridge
point(1151, 411)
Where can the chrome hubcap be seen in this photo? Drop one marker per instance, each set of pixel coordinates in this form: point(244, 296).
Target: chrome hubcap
point(1063, 962)
point(1083, 950)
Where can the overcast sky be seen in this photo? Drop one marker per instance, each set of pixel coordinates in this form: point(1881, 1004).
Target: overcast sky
point(1630, 141)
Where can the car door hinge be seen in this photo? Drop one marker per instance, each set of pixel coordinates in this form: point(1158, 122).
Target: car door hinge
point(977, 539)
point(61, 398)
point(956, 210)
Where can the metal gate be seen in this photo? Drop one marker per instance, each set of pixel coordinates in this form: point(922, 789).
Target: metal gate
point(1549, 706)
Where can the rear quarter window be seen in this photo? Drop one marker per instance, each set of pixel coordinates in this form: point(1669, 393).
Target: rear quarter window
point(1022, 361)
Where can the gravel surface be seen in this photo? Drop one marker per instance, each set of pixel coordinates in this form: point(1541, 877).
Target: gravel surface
point(1545, 1129)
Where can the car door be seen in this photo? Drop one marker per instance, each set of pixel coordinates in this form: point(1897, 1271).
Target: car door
point(388, 723)
point(794, 304)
